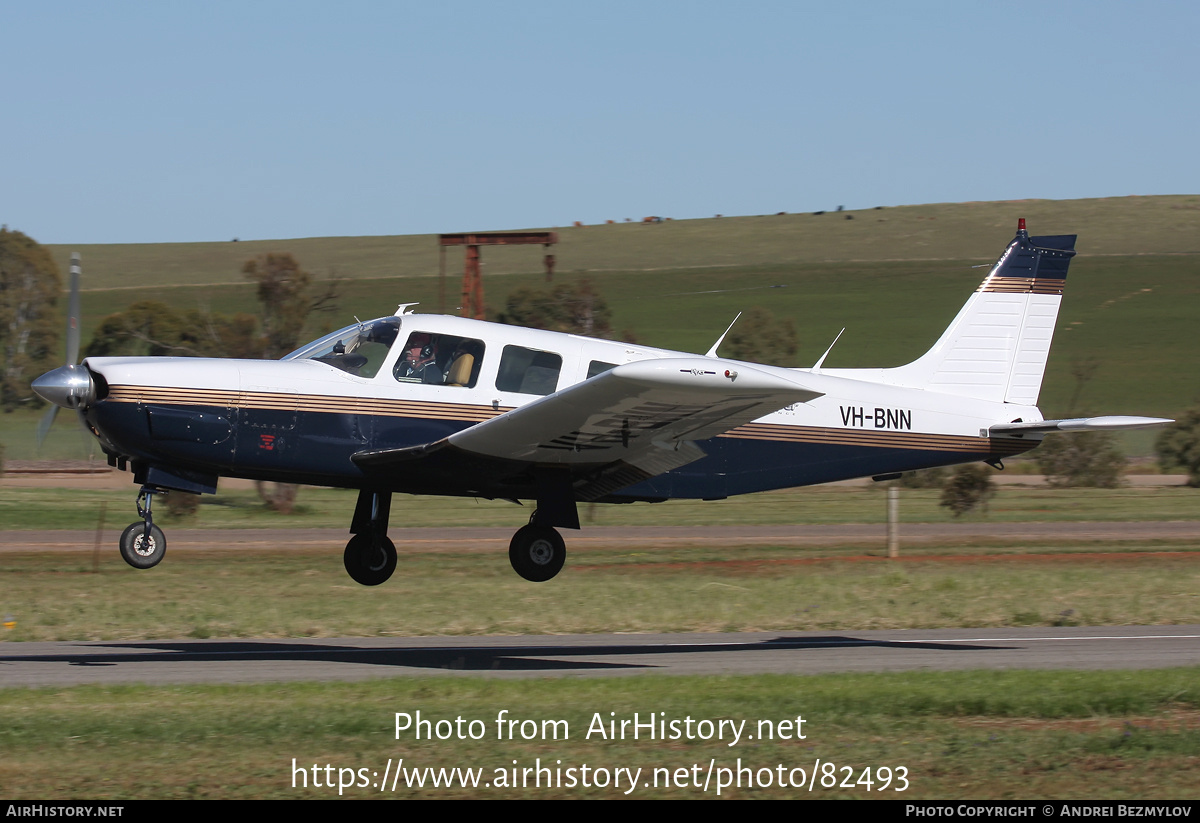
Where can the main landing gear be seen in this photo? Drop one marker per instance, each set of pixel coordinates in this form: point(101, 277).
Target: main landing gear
point(537, 552)
point(370, 560)
point(370, 556)
point(143, 544)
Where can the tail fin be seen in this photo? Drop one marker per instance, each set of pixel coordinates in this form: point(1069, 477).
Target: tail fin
point(997, 346)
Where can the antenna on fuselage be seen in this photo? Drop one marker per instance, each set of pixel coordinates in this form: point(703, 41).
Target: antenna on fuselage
point(401, 310)
point(817, 367)
point(713, 351)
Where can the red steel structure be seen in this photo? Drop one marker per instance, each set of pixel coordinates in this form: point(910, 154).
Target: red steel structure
point(472, 284)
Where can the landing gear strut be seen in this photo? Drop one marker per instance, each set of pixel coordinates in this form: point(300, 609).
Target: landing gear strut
point(143, 544)
point(537, 552)
point(370, 556)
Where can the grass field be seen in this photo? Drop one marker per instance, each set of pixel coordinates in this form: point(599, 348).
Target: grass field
point(977, 735)
point(939, 231)
point(74, 508)
point(636, 587)
point(968, 735)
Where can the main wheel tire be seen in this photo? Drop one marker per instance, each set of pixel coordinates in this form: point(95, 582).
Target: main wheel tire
point(537, 553)
point(369, 564)
point(139, 552)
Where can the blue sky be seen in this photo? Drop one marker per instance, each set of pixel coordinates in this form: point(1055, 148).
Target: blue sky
point(189, 121)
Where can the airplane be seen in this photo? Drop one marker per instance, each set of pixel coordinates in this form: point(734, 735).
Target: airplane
point(434, 404)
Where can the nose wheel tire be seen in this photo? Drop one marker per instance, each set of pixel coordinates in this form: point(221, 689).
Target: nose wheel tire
point(369, 563)
point(537, 553)
point(140, 551)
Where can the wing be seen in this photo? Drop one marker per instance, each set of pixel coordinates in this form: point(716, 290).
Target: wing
point(629, 423)
point(1080, 424)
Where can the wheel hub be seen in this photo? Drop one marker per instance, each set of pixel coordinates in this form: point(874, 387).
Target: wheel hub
point(541, 552)
point(376, 558)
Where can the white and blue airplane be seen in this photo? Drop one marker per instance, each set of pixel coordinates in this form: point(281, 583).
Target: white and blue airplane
point(433, 404)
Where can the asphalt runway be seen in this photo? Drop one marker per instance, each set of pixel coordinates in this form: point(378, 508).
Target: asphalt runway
point(347, 659)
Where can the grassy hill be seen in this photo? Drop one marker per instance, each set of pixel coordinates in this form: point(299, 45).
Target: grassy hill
point(893, 277)
point(956, 231)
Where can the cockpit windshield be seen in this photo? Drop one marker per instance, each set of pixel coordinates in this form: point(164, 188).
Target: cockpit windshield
point(359, 349)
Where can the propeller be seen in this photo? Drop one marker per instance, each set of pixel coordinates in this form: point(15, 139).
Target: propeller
point(68, 386)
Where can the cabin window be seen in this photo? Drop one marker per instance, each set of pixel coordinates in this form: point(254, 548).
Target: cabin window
point(599, 367)
point(440, 359)
point(528, 371)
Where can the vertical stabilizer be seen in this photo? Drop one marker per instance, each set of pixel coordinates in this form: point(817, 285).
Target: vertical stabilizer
point(997, 346)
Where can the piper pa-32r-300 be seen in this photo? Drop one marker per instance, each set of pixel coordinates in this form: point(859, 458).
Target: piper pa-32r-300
point(432, 404)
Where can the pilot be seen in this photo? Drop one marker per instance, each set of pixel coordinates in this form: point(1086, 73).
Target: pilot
point(420, 360)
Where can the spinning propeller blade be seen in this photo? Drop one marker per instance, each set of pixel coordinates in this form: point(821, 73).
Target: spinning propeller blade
point(73, 316)
point(73, 312)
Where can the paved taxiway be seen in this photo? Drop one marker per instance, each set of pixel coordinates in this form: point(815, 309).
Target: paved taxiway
point(250, 661)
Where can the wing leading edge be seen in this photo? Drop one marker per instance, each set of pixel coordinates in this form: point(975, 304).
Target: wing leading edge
point(644, 415)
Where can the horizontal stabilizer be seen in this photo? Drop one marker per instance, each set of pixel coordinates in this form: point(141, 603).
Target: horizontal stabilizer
point(1080, 424)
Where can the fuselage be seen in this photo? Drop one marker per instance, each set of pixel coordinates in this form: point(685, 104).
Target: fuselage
point(301, 419)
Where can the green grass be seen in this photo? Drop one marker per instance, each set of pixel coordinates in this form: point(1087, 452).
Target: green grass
point(1106, 226)
point(70, 508)
point(957, 735)
point(637, 587)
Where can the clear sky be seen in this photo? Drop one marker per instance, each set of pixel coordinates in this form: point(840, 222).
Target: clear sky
point(188, 121)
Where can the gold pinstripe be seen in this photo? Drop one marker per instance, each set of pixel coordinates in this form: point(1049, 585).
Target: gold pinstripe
point(1021, 285)
point(288, 402)
point(877, 439)
point(473, 413)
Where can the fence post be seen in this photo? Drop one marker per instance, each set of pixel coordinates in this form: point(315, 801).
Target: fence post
point(893, 521)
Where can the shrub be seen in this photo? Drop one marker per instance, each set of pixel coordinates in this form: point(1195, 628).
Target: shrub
point(1179, 446)
point(969, 487)
point(181, 504)
point(925, 478)
point(1089, 459)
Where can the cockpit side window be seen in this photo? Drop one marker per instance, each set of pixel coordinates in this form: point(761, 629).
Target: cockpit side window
point(439, 359)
